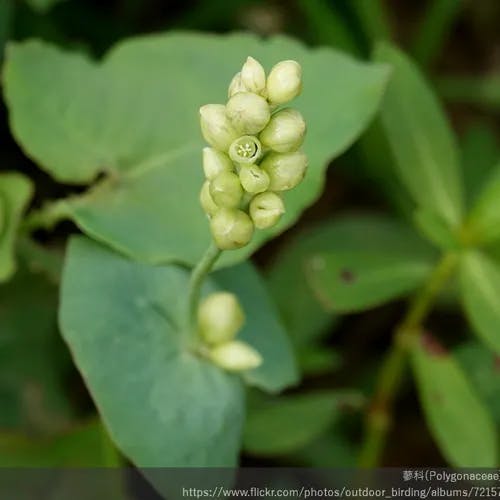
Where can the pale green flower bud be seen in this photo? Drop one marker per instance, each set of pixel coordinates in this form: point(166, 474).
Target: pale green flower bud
point(245, 150)
point(235, 356)
point(236, 85)
point(284, 132)
point(284, 82)
point(215, 162)
point(254, 179)
point(253, 76)
point(248, 113)
point(231, 229)
point(206, 200)
point(220, 318)
point(285, 170)
point(226, 190)
point(266, 210)
point(216, 126)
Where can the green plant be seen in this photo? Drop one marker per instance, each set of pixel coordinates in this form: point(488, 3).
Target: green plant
point(193, 344)
point(129, 303)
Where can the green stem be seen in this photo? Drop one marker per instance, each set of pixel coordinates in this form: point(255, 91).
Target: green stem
point(46, 217)
point(379, 414)
point(198, 275)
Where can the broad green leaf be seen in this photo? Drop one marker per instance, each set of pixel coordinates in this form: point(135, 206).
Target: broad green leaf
point(482, 366)
point(480, 153)
point(146, 94)
point(304, 317)
point(421, 139)
point(457, 418)
point(484, 221)
point(85, 446)
point(285, 424)
point(123, 323)
point(140, 325)
point(395, 262)
point(263, 328)
point(345, 234)
point(15, 193)
point(352, 281)
point(33, 359)
point(480, 286)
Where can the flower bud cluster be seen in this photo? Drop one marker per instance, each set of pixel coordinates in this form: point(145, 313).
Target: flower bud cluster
point(220, 318)
point(254, 152)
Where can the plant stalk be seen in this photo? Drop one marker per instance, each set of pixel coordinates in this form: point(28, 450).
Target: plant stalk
point(378, 419)
point(46, 217)
point(198, 275)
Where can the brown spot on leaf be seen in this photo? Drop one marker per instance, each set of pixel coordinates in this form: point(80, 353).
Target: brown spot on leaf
point(347, 276)
point(432, 346)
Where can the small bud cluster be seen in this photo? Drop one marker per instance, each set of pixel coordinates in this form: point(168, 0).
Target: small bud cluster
point(254, 152)
point(220, 318)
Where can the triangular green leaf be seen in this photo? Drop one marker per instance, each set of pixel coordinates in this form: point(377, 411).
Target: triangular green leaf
point(163, 404)
point(134, 313)
point(135, 117)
